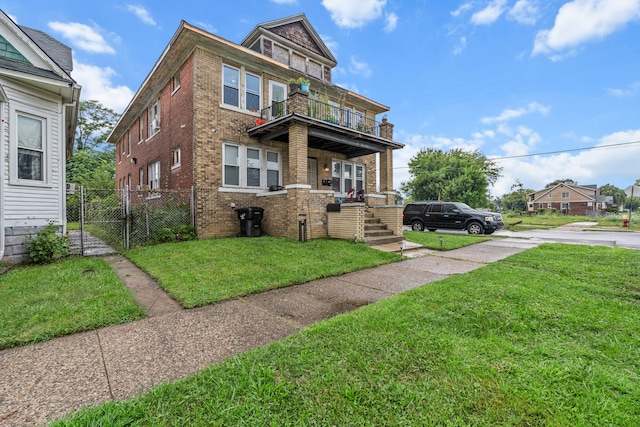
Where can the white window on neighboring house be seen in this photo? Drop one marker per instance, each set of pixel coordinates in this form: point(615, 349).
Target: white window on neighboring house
point(153, 175)
point(564, 205)
point(31, 147)
point(154, 118)
point(175, 158)
point(251, 167)
point(359, 178)
point(565, 195)
point(141, 177)
point(549, 205)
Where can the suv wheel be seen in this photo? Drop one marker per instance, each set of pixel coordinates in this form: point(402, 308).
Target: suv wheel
point(417, 226)
point(475, 228)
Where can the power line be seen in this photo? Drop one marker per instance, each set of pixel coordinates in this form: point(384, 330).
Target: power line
point(595, 147)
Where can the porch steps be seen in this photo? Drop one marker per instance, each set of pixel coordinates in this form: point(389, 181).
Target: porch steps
point(376, 232)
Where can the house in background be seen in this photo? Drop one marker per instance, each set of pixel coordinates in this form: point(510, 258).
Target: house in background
point(579, 200)
point(39, 109)
point(220, 117)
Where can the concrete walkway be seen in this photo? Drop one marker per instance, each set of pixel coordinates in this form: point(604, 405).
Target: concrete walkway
point(46, 381)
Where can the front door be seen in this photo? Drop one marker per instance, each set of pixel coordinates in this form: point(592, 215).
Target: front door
point(312, 172)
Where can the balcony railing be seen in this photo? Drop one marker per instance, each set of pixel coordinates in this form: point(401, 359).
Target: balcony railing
point(328, 113)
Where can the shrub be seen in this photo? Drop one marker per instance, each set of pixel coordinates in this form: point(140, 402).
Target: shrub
point(47, 245)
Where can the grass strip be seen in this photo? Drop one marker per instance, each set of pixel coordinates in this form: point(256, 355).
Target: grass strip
point(79, 294)
point(201, 272)
point(443, 241)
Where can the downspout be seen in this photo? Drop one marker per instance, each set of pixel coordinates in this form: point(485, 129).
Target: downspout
point(75, 94)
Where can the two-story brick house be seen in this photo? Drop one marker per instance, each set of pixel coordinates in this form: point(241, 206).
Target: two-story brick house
point(220, 117)
point(569, 199)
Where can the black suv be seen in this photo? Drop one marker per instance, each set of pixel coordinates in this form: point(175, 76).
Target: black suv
point(452, 215)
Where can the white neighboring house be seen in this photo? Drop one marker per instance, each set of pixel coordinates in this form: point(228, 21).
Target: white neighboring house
point(38, 110)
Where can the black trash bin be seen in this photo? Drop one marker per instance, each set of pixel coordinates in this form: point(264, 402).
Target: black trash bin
point(250, 221)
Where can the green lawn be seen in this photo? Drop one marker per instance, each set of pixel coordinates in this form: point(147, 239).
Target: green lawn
point(541, 338)
point(443, 241)
point(40, 302)
point(546, 221)
point(201, 272)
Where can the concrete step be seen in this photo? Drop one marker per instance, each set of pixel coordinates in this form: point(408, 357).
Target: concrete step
point(375, 233)
point(382, 240)
point(378, 226)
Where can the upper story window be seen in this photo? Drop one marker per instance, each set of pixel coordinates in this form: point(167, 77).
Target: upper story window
point(565, 195)
point(175, 158)
point(251, 167)
point(31, 147)
point(175, 83)
point(241, 89)
point(153, 175)
point(154, 118)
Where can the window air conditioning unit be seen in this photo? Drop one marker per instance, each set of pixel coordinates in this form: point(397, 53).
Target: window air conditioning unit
point(155, 124)
point(71, 188)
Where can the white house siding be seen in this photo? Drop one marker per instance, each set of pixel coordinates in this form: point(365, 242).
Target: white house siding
point(26, 208)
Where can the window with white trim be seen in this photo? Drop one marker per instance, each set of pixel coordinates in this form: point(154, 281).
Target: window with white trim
point(141, 177)
point(346, 176)
point(154, 118)
point(175, 83)
point(251, 167)
point(564, 205)
point(565, 195)
point(31, 147)
point(153, 175)
point(175, 158)
point(273, 168)
point(241, 89)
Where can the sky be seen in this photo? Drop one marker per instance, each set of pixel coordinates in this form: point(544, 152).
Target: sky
point(548, 89)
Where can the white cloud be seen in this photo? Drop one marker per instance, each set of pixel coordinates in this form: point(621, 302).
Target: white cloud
point(524, 12)
point(392, 22)
point(462, 9)
point(511, 113)
point(142, 13)
point(354, 13)
point(82, 36)
point(206, 26)
point(580, 21)
point(460, 46)
point(97, 84)
point(631, 90)
point(359, 68)
point(489, 14)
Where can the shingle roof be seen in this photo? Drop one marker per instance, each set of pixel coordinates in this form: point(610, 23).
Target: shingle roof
point(57, 51)
point(29, 69)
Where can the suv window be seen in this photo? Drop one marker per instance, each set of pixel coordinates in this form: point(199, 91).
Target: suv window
point(436, 207)
point(414, 209)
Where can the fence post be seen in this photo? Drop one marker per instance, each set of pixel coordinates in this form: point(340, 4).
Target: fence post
point(127, 217)
point(82, 220)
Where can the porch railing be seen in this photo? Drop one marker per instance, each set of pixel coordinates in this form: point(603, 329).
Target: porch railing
point(333, 114)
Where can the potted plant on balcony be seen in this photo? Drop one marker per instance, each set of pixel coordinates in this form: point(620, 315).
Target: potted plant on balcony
point(293, 85)
point(304, 84)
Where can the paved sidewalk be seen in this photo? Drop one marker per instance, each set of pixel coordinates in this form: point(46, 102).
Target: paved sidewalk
point(42, 382)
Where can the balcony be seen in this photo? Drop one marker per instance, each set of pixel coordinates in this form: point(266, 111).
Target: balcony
point(330, 127)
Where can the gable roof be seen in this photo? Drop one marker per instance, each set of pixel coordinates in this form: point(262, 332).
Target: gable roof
point(34, 52)
point(297, 31)
point(580, 189)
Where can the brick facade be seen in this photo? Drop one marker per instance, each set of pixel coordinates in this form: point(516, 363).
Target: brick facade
point(195, 119)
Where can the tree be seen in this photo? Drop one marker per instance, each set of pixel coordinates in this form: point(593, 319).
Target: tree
point(561, 181)
point(619, 196)
point(454, 175)
point(95, 123)
point(517, 199)
point(92, 163)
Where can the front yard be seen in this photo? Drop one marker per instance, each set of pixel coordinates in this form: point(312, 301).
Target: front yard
point(545, 337)
point(515, 222)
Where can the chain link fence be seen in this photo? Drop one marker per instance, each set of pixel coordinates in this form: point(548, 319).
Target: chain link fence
point(123, 219)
